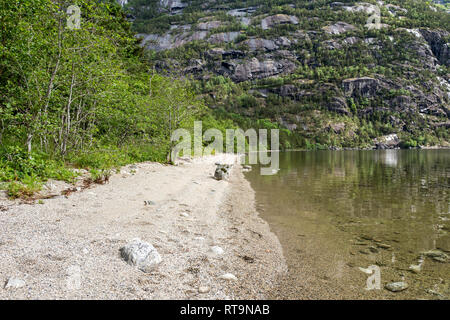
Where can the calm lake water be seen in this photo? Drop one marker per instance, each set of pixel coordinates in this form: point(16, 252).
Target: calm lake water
point(337, 211)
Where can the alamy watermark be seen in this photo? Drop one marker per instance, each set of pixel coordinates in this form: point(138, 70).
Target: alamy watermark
point(374, 20)
point(235, 140)
point(73, 280)
point(374, 280)
point(74, 18)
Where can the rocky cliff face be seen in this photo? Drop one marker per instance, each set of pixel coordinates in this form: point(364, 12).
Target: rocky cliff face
point(305, 64)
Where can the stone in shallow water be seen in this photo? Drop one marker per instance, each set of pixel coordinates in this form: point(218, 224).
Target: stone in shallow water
point(141, 254)
point(383, 246)
point(436, 255)
point(396, 286)
point(373, 249)
point(415, 268)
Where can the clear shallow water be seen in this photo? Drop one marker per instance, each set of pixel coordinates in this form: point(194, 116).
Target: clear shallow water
point(335, 211)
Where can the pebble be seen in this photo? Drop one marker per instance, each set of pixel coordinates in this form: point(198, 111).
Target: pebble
point(396, 286)
point(373, 249)
point(141, 254)
point(228, 276)
point(203, 289)
point(14, 283)
point(184, 214)
point(217, 250)
point(383, 246)
point(415, 268)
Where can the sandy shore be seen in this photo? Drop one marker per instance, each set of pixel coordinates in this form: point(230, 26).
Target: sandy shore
point(68, 247)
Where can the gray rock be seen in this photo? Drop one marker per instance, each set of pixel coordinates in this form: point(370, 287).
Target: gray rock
point(209, 25)
point(336, 4)
point(222, 171)
point(338, 127)
point(172, 5)
point(394, 10)
point(277, 19)
point(365, 7)
point(331, 44)
point(167, 41)
point(260, 44)
point(360, 87)
point(223, 37)
point(256, 69)
point(396, 286)
point(241, 12)
point(338, 105)
point(439, 47)
point(14, 283)
point(389, 141)
point(339, 27)
point(140, 254)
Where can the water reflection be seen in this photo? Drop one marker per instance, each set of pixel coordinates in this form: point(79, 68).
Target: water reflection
point(388, 157)
point(401, 196)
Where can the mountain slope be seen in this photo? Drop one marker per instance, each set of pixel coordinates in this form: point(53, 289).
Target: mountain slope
point(316, 68)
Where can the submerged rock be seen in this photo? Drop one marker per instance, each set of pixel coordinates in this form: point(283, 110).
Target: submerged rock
point(415, 268)
point(383, 246)
point(436, 255)
point(396, 286)
point(140, 254)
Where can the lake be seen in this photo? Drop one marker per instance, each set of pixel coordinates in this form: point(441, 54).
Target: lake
point(336, 212)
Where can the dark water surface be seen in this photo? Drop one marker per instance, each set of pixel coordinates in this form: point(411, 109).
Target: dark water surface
point(336, 211)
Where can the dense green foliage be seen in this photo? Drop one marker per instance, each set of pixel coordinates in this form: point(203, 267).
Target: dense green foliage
point(83, 97)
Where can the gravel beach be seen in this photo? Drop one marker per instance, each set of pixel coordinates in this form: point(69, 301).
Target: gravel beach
point(203, 229)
